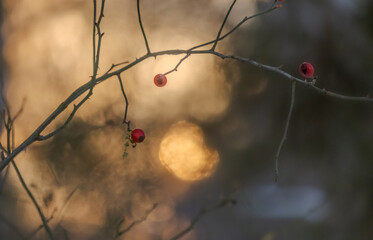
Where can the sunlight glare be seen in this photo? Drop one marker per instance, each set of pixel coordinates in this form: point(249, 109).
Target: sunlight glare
point(184, 153)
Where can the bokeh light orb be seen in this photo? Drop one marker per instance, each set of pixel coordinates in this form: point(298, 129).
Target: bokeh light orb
point(184, 153)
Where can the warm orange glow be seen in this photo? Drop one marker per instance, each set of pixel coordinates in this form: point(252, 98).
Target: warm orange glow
point(48, 51)
point(184, 153)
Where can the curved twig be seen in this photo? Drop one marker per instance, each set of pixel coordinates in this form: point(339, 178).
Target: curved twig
point(125, 98)
point(284, 136)
point(29, 193)
point(178, 64)
point(222, 25)
point(199, 215)
point(127, 229)
point(142, 28)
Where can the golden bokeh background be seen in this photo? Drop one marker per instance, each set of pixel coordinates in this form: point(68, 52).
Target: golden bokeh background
point(79, 177)
point(185, 154)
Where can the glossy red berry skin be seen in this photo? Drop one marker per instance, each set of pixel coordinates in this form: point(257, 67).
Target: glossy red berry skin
point(137, 135)
point(306, 70)
point(160, 80)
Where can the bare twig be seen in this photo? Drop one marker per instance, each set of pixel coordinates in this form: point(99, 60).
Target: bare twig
point(64, 206)
point(222, 25)
point(9, 125)
point(116, 65)
point(34, 232)
point(284, 136)
point(200, 214)
point(2, 148)
point(236, 27)
point(121, 232)
point(142, 29)
point(96, 51)
point(178, 64)
point(96, 60)
point(19, 112)
point(72, 114)
point(96, 25)
point(43, 219)
point(3, 180)
point(94, 35)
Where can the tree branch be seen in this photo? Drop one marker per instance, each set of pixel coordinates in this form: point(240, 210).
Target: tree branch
point(32, 234)
point(35, 136)
point(96, 60)
point(9, 127)
point(3, 180)
point(237, 26)
point(121, 232)
point(284, 136)
point(200, 214)
point(178, 64)
point(43, 219)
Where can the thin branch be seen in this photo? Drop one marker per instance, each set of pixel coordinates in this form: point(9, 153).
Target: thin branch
point(72, 114)
point(3, 180)
point(121, 232)
point(222, 25)
point(200, 214)
point(142, 29)
point(33, 233)
point(9, 125)
point(96, 56)
point(284, 136)
point(19, 112)
point(63, 208)
point(115, 65)
point(2, 148)
point(125, 98)
point(96, 59)
point(236, 27)
point(43, 219)
point(94, 36)
point(178, 64)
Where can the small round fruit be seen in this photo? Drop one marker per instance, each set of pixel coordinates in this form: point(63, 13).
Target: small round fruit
point(306, 70)
point(160, 80)
point(137, 135)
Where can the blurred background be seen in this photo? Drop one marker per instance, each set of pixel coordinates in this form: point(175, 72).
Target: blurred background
point(211, 132)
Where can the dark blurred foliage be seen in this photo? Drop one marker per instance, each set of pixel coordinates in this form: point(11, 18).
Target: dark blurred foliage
point(329, 145)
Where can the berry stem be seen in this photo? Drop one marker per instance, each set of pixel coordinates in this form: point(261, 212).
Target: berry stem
point(126, 99)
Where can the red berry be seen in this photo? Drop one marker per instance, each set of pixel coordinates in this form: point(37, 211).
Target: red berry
point(160, 80)
point(306, 70)
point(138, 135)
